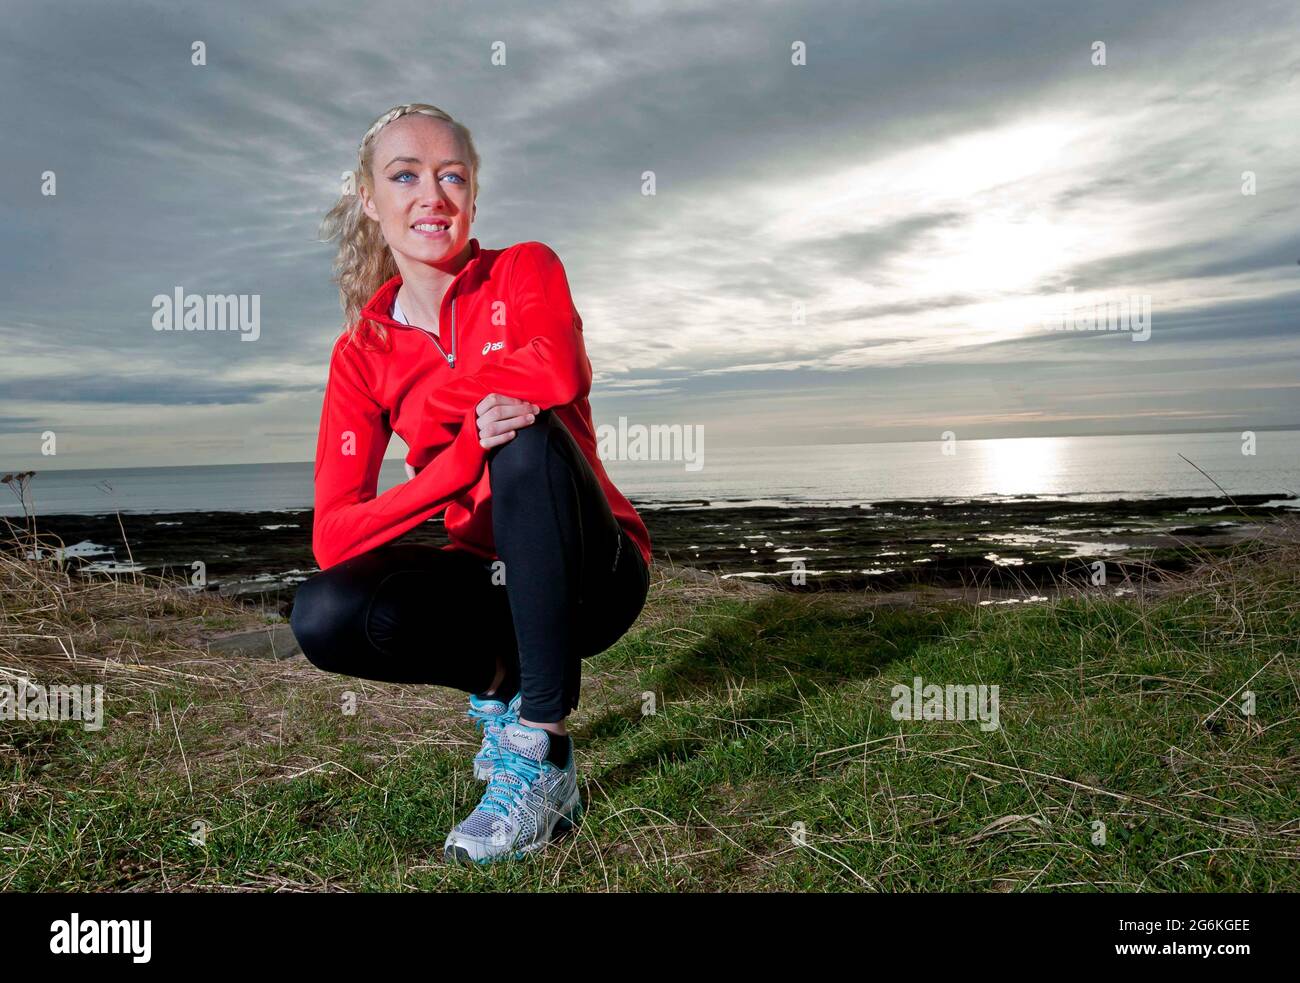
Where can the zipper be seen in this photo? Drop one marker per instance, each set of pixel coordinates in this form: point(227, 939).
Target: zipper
point(450, 359)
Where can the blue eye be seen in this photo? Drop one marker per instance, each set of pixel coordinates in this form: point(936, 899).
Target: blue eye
point(456, 176)
point(398, 177)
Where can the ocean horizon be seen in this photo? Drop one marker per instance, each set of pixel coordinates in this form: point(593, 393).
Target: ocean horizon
point(1093, 468)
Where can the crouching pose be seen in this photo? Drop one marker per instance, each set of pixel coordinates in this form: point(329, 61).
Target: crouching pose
point(475, 358)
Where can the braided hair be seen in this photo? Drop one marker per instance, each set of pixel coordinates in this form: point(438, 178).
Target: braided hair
point(364, 262)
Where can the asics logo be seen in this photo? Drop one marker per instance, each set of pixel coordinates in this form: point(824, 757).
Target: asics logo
point(493, 346)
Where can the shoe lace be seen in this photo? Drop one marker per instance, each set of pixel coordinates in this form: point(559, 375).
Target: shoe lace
point(513, 775)
point(482, 718)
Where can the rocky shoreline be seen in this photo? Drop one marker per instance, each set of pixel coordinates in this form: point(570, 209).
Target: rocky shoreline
point(888, 545)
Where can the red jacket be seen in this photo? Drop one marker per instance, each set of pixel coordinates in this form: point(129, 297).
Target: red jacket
point(516, 333)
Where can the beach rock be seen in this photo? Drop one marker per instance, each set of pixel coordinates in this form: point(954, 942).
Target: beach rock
point(271, 642)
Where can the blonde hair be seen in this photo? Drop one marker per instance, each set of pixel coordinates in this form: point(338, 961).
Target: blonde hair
point(364, 262)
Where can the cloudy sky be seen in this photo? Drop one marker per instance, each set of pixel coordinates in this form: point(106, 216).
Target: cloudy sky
point(927, 189)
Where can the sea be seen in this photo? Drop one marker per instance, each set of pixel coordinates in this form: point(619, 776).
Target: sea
point(1094, 468)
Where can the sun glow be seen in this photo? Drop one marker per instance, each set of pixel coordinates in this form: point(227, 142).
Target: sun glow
point(1017, 466)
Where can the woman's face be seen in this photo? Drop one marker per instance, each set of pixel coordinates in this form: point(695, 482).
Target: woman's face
point(421, 176)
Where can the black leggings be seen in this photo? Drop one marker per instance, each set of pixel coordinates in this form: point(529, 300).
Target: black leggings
point(574, 583)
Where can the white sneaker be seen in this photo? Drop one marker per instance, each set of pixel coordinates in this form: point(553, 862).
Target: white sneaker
point(528, 801)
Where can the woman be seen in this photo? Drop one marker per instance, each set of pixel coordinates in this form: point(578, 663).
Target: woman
point(475, 358)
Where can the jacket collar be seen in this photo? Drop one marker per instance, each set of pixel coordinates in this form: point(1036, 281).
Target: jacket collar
point(380, 306)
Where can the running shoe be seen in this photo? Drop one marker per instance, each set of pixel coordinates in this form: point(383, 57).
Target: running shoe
point(527, 803)
point(490, 716)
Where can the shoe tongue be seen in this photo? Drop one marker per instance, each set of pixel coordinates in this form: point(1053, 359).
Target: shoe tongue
point(531, 742)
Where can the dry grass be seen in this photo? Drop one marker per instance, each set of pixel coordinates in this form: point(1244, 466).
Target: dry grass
point(771, 714)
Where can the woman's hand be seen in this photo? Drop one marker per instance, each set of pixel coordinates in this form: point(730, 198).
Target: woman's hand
point(498, 419)
point(500, 416)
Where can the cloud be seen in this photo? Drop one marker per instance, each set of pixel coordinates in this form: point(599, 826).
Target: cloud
point(143, 390)
point(896, 214)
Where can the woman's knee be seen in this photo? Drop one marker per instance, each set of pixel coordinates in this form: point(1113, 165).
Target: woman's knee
point(518, 463)
point(327, 619)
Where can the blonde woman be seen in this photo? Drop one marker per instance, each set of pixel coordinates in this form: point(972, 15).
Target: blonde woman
point(475, 358)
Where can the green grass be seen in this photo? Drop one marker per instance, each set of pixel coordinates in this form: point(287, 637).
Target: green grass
point(771, 760)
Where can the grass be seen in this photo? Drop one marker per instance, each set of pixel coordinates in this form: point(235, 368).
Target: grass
point(770, 761)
